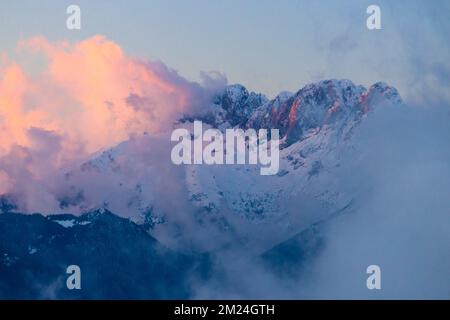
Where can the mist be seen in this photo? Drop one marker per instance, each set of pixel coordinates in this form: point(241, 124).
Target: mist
point(398, 171)
point(84, 98)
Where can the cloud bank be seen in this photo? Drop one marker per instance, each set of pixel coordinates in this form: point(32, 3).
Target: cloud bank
point(87, 96)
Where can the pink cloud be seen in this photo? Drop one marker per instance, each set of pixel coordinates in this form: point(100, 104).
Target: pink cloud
point(90, 95)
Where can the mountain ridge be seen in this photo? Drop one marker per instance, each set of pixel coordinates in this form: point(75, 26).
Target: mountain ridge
point(233, 202)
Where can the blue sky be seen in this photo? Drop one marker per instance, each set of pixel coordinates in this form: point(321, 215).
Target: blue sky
point(269, 46)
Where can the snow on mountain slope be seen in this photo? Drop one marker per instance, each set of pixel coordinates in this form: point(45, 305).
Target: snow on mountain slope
point(208, 207)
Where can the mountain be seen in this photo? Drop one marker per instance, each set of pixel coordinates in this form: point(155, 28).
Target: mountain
point(316, 105)
point(289, 258)
point(137, 179)
point(118, 259)
point(170, 220)
point(329, 102)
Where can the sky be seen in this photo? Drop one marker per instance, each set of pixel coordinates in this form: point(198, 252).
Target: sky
point(268, 46)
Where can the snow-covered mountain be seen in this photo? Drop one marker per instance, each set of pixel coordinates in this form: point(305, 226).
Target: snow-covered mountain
point(210, 207)
point(362, 180)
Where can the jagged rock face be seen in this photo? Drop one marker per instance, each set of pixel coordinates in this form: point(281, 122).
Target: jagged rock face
point(239, 104)
point(136, 179)
point(380, 93)
point(274, 114)
point(313, 123)
point(323, 103)
point(328, 102)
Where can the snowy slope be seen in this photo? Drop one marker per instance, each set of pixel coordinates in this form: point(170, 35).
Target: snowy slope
point(208, 207)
